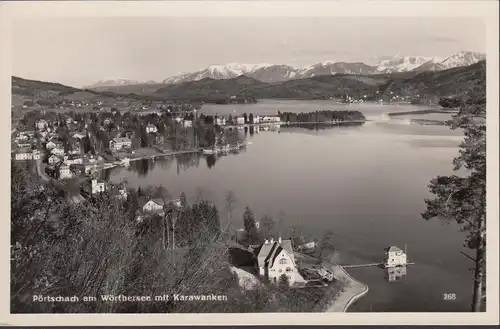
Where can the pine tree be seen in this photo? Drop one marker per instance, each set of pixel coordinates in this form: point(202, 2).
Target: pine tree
point(462, 199)
point(250, 224)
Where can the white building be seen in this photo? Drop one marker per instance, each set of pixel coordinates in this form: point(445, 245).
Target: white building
point(64, 171)
point(256, 119)
point(188, 123)
point(119, 143)
point(23, 145)
point(275, 258)
point(153, 206)
point(50, 145)
point(57, 151)
point(27, 154)
point(98, 186)
point(240, 120)
point(270, 118)
point(220, 121)
point(22, 137)
point(151, 128)
point(41, 124)
point(394, 257)
point(53, 159)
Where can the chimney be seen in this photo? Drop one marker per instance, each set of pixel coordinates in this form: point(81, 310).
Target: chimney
point(272, 240)
point(266, 242)
point(279, 240)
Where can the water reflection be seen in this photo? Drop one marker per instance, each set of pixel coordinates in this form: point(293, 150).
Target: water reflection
point(393, 274)
point(211, 159)
point(182, 162)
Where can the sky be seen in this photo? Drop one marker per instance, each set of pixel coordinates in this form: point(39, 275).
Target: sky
point(79, 51)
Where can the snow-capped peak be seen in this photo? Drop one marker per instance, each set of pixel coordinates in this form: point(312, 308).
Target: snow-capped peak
point(116, 82)
point(403, 64)
point(462, 58)
point(231, 69)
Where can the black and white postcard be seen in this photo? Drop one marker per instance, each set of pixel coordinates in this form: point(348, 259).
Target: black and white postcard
point(250, 162)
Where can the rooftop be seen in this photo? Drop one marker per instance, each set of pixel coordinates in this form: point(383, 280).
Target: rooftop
point(394, 249)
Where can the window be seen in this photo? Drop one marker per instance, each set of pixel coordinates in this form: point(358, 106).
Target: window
point(288, 269)
point(283, 261)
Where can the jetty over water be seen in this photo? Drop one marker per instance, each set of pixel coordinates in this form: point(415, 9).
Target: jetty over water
point(370, 265)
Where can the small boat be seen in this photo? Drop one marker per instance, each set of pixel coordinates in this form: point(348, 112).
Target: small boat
point(208, 151)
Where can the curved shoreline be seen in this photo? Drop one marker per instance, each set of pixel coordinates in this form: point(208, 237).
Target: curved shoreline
point(356, 296)
point(354, 290)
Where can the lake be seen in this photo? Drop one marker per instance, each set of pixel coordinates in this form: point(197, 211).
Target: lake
point(366, 183)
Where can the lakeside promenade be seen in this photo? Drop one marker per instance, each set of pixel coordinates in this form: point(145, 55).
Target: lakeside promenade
point(353, 290)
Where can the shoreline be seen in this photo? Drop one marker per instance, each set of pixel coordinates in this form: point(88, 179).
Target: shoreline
point(354, 290)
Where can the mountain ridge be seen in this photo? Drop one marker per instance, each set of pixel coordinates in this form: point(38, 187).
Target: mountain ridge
point(282, 72)
point(411, 85)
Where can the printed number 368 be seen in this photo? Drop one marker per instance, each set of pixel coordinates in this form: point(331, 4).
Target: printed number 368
point(449, 296)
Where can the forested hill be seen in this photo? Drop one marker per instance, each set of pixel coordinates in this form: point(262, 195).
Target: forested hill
point(411, 85)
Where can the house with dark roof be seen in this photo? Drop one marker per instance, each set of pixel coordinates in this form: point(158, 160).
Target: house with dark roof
point(275, 258)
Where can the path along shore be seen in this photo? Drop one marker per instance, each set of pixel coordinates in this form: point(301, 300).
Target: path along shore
point(350, 293)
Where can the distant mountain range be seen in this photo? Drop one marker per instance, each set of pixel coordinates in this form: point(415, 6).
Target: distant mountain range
point(278, 73)
point(411, 85)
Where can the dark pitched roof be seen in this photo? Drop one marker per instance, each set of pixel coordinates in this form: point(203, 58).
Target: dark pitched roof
point(267, 253)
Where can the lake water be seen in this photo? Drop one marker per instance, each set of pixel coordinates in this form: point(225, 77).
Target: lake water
point(365, 183)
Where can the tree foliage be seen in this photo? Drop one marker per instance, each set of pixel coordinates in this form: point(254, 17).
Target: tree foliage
point(462, 198)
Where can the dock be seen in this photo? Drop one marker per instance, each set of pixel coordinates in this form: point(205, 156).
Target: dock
point(371, 265)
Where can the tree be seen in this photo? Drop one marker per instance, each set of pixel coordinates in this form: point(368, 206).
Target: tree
point(284, 281)
point(245, 117)
point(267, 226)
point(230, 204)
point(250, 224)
point(183, 199)
point(326, 247)
point(250, 118)
point(462, 199)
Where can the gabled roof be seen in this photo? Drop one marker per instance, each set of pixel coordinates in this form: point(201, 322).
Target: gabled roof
point(24, 150)
point(144, 201)
point(393, 249)
point(267, 253)
point(121, 139)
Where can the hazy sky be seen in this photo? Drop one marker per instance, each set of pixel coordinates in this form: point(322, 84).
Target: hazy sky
point(82, 50)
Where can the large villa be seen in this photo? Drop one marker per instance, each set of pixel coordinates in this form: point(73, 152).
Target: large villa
point(276, 258)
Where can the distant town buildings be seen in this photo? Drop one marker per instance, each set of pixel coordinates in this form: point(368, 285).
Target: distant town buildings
point(27, 154)
point(64, 171)
point(119, 143)
point(98, 186)
point(150, 128)
point(41, 124)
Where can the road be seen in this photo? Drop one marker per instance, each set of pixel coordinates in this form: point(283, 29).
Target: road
point(40, 167)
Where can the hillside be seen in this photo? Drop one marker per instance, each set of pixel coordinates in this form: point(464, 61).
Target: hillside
point(427, 85)
point(53, 94)
point(424, 85)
